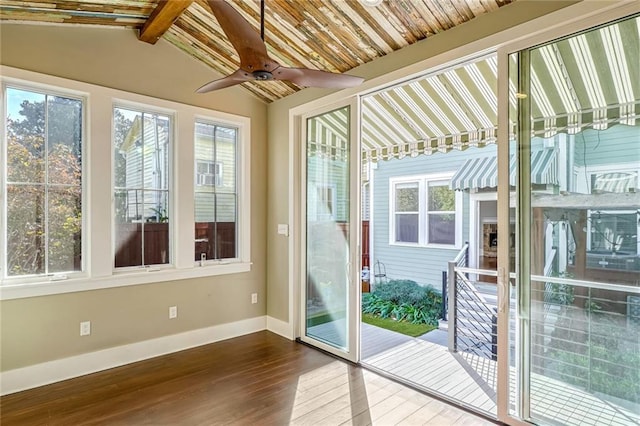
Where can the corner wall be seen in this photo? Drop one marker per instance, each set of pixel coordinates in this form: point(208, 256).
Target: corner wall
point(42, 329)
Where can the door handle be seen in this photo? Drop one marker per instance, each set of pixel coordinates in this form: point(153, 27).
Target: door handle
point(502, 290)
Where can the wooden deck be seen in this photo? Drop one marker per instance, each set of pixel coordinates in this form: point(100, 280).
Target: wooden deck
point(470, 380)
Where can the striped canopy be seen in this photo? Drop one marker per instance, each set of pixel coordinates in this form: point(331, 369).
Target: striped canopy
point(478, 173)
point(590, 80)
point(615, 182)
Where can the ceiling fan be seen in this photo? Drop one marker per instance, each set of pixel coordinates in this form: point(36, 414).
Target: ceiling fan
point(255, 63)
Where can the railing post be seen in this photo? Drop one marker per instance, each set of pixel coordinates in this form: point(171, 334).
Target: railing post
point(466, 256)
point(452, 292)
point(445, 297)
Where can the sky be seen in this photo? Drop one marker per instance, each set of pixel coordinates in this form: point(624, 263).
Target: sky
point(15, 98)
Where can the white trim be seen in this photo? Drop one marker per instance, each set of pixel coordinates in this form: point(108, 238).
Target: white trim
point(66, 368)
point(152, 275)
point(284, 329)
point(46, 91)
point(423, 186)
point(98, 194)
point(294, 255)
point(572, 19)
point(351, 352)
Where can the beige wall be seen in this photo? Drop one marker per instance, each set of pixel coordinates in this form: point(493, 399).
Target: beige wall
point(278, 125)
point(39, 329)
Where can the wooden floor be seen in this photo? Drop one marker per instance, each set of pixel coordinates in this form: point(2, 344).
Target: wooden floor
point(259, 379)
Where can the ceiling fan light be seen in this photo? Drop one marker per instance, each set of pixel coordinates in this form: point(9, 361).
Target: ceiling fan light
point(371, 3)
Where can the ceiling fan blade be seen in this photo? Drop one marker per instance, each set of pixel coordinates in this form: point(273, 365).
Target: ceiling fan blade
point(231, 80)
point(316, 78)
point(244, 38)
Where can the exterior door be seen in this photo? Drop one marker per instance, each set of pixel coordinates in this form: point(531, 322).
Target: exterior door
point(329, 289)
point(570, 352)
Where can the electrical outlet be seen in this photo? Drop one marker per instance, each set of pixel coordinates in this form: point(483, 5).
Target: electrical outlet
point(85, 328)
point(254, 298)
point(173, 312)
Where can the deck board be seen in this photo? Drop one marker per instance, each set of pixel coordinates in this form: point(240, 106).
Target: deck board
point(471, 381)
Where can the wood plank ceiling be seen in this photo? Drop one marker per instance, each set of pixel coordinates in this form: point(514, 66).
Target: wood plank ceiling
point(330, 35)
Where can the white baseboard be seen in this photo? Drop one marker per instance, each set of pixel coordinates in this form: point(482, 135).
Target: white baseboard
point(61, 369)
point(280, 327)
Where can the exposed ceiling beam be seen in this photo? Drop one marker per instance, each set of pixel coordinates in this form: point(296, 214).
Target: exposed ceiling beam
point(162, 17)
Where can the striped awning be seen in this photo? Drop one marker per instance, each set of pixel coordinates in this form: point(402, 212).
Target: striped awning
point(588, 81)
point(615, 182)
point(478, 173)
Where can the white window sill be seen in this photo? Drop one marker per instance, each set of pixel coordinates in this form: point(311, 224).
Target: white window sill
point(427, 246)
point(9, 289)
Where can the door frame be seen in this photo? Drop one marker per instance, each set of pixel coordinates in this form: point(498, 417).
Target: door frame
point(354, 291)
point(578, 18)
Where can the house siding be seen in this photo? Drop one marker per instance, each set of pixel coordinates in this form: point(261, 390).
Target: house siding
point(421, 264)
point(614, 148)
point(618, 144)
point(227, 192)
point(149, 171)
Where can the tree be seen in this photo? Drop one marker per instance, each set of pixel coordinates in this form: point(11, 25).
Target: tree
point(39, 175)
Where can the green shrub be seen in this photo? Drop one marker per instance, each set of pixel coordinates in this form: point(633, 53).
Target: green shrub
point(404, 300)
point(401, 291)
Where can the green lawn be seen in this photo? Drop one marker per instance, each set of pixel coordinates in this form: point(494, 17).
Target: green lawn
point(413, 330)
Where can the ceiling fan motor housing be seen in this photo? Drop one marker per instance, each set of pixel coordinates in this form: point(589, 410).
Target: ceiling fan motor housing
point(262, 75)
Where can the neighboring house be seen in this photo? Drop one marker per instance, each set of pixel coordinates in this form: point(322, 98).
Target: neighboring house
point(414, 236)
point(216, 160)
point(144, 148)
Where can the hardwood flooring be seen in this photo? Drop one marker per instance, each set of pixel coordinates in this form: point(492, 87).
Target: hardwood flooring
point(258, 379)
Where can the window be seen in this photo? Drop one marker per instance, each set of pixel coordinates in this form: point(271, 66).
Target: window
point(407, 212)
point(441, 217)
point(614, 232)
point(209, 173)
point(216, 191)
point(42, 215)
point(325, 202)
point(141, 187)
point(614, 182)
point(425, 211)
point(49, 237)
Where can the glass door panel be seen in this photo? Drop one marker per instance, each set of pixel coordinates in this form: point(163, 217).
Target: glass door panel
point(327, 221)
point(578, 210)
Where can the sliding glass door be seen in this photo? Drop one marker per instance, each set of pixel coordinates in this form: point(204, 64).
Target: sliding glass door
point(574, 350)
point(330, 293)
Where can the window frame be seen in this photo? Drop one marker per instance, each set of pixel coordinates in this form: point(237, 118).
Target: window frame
point(591, 213)
point(170, 114)
point(423, 213)
point(580, 174)
point(238, 166)
point(54, 91)
point(97, 200)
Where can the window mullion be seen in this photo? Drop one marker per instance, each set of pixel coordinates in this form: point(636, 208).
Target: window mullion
point(142, 185)
point(46, 184)
point(216, 255)
point(424, 213)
